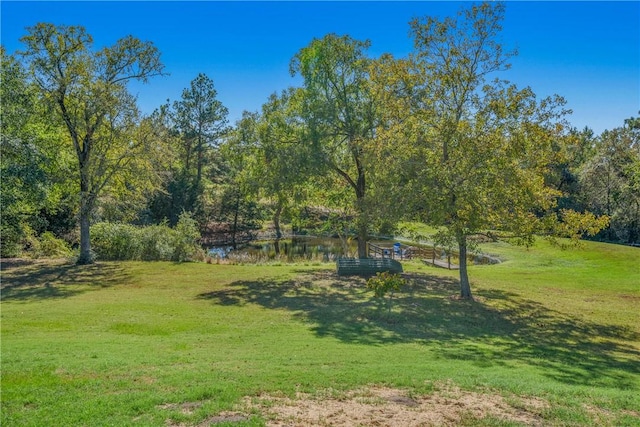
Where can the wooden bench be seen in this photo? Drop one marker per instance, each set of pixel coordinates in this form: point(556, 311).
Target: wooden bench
point(366, 266)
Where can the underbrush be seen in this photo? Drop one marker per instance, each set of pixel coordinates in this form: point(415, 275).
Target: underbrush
point(243, 258)
point(116, 241)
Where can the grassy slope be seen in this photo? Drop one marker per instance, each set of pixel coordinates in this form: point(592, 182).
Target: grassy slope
point(111, 344)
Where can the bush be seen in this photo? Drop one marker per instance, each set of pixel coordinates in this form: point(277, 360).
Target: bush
point(157, 243)
point(186, 239)
point(45, 246)
point(53, 247)
point(115, 241)
point(10, 240)
point(383, 283)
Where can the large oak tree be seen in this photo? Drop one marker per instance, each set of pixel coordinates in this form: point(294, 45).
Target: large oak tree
point(87, 90)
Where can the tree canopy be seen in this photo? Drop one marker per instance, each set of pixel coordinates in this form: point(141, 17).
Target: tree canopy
point(87, 91)
point(340, 111)
point(476, 154)
point(436, 137)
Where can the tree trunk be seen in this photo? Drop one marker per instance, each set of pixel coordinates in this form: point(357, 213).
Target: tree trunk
point(86, 205)
point(465, 287)
point(362, 240)
point(199, 162)
point(634, 227)
point(276, 218)
point(85, 257)
point(234, 230)
point(362, 221)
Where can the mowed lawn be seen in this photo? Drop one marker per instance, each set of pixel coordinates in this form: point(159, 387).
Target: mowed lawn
point(553, 334)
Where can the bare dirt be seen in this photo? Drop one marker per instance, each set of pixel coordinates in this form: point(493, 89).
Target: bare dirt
point(389, 407)
point(377, 406)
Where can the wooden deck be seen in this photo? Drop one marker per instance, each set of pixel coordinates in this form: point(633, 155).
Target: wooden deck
point(396, 251)
point(429, 255)
point(441, 263)
point(366, 266)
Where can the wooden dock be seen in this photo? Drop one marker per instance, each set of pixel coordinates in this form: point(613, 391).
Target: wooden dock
point(396, 251)
point(366, 266)
point(429, 255)
point(403, 252)
point(441, 263)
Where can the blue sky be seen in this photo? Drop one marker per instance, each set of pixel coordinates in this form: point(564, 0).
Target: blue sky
point(588, 52)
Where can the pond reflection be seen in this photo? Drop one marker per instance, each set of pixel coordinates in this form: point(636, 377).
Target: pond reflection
point(297, 247)
point(326, 249)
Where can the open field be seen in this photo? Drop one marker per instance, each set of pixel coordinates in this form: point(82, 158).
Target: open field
point(553, 339)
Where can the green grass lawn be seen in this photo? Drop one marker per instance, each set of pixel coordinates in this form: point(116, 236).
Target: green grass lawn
point(137, 343)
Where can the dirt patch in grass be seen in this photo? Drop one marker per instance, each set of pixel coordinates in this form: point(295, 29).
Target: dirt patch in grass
point(383, 406)
point(189, 408)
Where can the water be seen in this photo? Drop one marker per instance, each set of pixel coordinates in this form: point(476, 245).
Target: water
point(296, 247)
point(327, 249)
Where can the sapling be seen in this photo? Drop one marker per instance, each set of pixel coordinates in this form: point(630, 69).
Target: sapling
point(385, 283)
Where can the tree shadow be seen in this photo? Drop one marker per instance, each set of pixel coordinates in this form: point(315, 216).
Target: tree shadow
point(28, 281)
point(501, 328)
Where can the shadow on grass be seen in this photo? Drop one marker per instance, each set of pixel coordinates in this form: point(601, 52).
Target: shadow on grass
point(36, 280)
point(500, 329)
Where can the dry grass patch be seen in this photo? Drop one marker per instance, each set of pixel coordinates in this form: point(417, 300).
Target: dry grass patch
point(384, 406)
point(189, 408)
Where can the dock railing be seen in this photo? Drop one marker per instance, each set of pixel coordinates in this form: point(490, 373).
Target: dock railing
point(398, 251)
point(437, 256)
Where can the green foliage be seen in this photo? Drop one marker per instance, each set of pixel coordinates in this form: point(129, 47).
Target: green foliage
point(11, 243)
point(179, 194)
point(610, 182)
point(193, 127)
point(575, 225)
point(48, 246)
point(275, 162)
point(238, 212)
point(186, 239)
point(429, 137)
point(34, 166)
point(385, 282)
point(444, 239)
point(116, 241)
point(482, 150)
point(201, 120)
point(340, 111)
point(87, 93)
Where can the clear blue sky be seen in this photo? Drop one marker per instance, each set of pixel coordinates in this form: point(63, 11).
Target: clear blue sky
point(588, 52)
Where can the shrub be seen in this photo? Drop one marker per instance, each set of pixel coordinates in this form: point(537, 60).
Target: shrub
point(186, 235)
point(10, 240)
point(157, 243)
point(53, 247)
point(46, 245)
point(383, 283)
point(115, 241)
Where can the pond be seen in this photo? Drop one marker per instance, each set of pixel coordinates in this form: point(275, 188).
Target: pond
point(325, 249)
point(296, 247)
